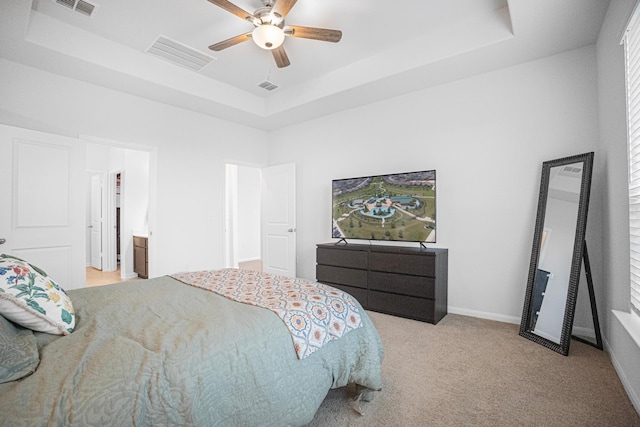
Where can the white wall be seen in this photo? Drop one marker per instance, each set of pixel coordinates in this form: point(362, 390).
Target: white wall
point(487, 137)
point(624, 351)
point(189, 222)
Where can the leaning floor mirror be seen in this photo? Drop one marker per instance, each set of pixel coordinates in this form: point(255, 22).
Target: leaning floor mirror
point(558, 253)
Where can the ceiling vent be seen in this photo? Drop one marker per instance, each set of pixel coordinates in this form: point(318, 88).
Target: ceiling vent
point(179, 54)
point(267, 85)
point(80, 6)
point(571, 171)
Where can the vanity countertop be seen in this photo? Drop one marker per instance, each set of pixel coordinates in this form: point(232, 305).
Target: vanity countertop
point(140, 233)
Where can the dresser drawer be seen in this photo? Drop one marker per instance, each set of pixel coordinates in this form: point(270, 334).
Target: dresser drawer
point(418, 286)
point(341, 276)
point(399, 280)
point(418, 265)
point(412, 307)
point(352, 258)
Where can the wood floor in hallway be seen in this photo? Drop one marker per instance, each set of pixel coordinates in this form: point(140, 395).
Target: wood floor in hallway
point(98, 278)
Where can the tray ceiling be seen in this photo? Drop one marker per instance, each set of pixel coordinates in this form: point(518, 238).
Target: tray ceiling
point(387, 49)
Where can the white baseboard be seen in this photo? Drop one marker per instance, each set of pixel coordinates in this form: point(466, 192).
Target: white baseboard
point(633, 397)
point(630, 323)
point(484, 315)
point(128, 276)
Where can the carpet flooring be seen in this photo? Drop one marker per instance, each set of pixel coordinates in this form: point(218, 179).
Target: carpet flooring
point(474, 372)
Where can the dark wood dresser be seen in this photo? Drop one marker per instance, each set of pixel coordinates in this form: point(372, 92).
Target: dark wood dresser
point(404, 281)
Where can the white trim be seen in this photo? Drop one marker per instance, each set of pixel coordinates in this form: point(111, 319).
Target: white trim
point(128, 276)
point(632, 87)
point(153, 186)
point(626, 320)
point(631, 14)
point(229, 243)
point(111, 251)
point(231, 215)
point(631, 323)
point(484, 315)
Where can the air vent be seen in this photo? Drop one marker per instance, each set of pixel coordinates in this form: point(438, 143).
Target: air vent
point(571, 170)
point(68, 3)
point(268, 85)
point(179, 54)
point(80, 6)
point(84, 7)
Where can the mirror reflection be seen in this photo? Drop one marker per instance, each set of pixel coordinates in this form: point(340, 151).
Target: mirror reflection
point(556, 251)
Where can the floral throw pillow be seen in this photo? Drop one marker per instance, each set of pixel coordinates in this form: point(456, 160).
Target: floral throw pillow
point(33, 300)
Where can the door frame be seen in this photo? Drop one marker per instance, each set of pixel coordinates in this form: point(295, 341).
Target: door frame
point(229, 243)
point(111, 236)
point(153, 194)
point(103, 224)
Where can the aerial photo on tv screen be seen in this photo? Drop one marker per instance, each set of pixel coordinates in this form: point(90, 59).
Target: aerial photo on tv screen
point(399, 207)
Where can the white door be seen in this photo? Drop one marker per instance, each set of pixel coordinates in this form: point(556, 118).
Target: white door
point(95, 228)
point(279, 219)
point(42, 218)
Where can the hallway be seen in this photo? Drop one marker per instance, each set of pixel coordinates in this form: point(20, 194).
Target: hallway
point(100, 278)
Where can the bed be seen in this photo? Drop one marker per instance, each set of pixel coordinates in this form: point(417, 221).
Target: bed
point(166, 352)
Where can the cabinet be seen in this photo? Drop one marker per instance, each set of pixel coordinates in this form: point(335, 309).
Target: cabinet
point(141, 256)
point(403, 281)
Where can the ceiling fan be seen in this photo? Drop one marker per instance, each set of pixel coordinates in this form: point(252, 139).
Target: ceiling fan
point(269, 32)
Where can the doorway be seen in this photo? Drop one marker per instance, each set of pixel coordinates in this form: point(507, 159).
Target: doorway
point(125, 205)
point(260, 218)
point(243, 216)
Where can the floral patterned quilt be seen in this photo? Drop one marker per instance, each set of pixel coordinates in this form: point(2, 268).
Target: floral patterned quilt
point(159, 352)
point(314, 313)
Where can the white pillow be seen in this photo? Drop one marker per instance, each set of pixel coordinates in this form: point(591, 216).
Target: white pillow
point(33, 300)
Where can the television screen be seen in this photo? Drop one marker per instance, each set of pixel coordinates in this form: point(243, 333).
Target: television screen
point(396, 207)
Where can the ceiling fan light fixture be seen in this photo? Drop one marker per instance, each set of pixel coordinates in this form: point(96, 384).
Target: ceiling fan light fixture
point(268, 36)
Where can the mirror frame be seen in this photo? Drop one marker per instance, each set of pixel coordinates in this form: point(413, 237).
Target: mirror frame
point(578, 251)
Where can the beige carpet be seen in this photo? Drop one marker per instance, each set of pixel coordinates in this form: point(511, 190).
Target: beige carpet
point(474, 372)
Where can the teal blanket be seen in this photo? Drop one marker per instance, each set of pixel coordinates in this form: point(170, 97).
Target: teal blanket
point(162, 353)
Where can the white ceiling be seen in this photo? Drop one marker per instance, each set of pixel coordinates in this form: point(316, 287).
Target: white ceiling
point(387, 49)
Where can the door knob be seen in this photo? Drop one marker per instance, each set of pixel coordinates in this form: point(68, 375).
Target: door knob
point(291, 230)
point(3, 241)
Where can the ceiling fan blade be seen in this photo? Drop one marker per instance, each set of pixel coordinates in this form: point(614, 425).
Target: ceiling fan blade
point(282, 7)
point(282, 60)
point(230, 7)
point(230, 42)
point(323, 34)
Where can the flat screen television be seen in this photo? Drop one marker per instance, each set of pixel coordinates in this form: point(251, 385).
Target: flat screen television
point(394, 207)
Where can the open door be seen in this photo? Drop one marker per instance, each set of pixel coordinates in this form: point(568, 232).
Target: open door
point(42, 219)
point(95, 228)
point(279, 219)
